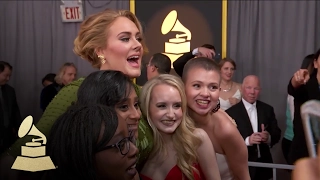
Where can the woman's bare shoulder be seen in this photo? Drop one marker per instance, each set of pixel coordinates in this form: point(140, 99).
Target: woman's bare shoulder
point(200, 133)
point(225, 124)
point(225, 118)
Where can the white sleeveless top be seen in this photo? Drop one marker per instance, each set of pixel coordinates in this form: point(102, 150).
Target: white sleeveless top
point(225, 104)
point(223, 167)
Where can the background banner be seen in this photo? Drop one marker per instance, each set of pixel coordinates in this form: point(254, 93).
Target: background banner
point(176, 27)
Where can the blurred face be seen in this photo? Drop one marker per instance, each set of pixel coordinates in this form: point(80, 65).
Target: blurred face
point(251, 89)
point(5, 76)
point(316, 63)
point(124, 50)
point(202, 90)
point(151, 70)
point(227, 71)
point(165, 108)
point(69, 75)
point(111, 163)
point(129, 111)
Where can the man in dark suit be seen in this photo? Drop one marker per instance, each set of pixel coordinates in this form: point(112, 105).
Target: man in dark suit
point(158, 64)
point(258, 126)
point(10, 118)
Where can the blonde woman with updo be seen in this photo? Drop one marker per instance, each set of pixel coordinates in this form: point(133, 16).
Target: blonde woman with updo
point(108, 40)
point(180, 150)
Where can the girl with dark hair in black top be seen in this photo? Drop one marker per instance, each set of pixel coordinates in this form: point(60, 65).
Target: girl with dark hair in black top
point(303, 86)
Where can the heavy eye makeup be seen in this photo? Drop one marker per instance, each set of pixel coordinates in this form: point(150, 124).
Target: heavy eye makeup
point(126, 36)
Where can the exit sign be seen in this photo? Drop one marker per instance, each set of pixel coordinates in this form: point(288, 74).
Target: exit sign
point(72, 13)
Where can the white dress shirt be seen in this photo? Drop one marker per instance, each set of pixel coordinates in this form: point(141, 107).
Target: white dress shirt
point(252, 113)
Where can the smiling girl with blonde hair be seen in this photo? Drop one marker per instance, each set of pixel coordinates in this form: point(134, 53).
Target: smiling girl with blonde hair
point(180, 150)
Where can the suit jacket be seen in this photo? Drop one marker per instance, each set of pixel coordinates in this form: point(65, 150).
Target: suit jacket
point(266, 116)
point(178, 64)
point(301, 94)
point(13, 111)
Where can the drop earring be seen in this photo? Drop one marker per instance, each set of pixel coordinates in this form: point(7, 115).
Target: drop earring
point(102, 59)
point(217, 107)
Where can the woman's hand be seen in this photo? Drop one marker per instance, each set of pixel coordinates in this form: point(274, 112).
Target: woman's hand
point(300, 77)
point(307, 168)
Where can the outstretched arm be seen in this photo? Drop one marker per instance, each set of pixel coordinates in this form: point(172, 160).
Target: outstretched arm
point(207, 156)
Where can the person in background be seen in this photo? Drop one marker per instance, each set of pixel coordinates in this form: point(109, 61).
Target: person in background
point(230, 93)
point(258, 126)
point(303, 86)
point(48, 79)
point(91, 142)
point(10, 118)
point(288, 134)
point(65, 76)
point(158, 64)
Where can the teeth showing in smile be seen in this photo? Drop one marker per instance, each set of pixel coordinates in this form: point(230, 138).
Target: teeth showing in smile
point(133, 57)
point(132, 167)
point(202, 102)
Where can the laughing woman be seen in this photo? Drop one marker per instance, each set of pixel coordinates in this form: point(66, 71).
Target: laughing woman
point(109, 40)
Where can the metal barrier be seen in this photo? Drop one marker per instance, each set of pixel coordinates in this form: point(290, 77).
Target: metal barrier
point(271, 165)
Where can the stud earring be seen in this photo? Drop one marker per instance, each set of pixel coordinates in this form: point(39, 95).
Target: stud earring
point(102, 59)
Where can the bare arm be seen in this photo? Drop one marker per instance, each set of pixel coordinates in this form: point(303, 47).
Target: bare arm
point(307, 168)
point(207, 156)
point(235, 150)
point(291, 106)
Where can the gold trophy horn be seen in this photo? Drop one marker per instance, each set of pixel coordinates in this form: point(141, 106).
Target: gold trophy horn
point(27, 128)
point(33, 155)
point(175, 47)
point(171, 23)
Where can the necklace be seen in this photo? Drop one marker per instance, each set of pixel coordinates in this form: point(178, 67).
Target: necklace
point(227, 90)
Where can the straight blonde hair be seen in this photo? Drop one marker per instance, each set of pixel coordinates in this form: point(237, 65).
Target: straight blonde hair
point(184, 141)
